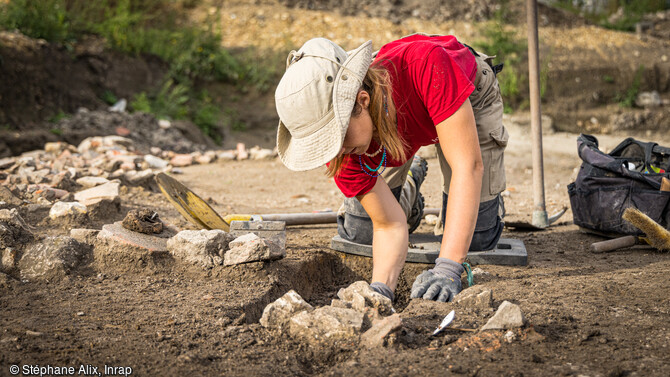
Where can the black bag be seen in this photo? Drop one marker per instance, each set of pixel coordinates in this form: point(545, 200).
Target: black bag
point(607, 184)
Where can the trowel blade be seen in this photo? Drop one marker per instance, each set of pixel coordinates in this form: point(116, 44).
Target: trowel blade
point(189, 204)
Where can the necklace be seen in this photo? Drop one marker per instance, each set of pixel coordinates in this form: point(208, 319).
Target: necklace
point(382, 165)
point(374, 154)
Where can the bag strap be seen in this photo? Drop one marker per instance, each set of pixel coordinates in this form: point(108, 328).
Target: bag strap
point(587, 148)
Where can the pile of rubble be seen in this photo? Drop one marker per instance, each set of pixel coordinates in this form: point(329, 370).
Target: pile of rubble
point(116, 249)
point(95, 169)
point(76, 185)
point(363, 316)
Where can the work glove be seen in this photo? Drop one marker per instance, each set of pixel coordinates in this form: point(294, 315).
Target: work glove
point(441, 283)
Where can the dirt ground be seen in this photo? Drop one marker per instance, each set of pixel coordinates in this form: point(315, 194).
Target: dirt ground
point(589, 314)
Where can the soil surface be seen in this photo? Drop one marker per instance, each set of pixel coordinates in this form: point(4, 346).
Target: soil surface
point(588, 314)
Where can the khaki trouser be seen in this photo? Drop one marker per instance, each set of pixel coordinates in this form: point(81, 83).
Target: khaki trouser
point(487, 106)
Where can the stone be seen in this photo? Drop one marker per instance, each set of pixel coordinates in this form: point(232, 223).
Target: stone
point(55, 147)
point(14, 232)
point(144, 178)
point(7, 162)
point(251, 248)
point(258, 153)
point(227, 155)
point(52, 258)
point(119, 106)
point(88, 182)
point(241, 152)
point(480, 275)
point(181, 160)
point(66, 209)
point(155, 162)
point(204, 159)
point(509, 336)
point(278, 313)
point(360, 295)
point(648, 99)
point(64, 181)
point(108, 191)
point(122, 250)
point(274, 231)
point(164, 124)
point(379, 332)
point(86, 236)
point(476, 296)
point(204, 248)
point(9, 259)
point(508, 316)
point(326, 324)
point(8, 197)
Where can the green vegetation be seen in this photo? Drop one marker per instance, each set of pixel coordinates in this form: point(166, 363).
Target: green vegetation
point(631, 11)
point(58, 116)
point(157, 27)
point(109, 97)
point(627, 98)
point(502, 41)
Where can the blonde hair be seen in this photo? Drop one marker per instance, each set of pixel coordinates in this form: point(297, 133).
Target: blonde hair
point(382, 110)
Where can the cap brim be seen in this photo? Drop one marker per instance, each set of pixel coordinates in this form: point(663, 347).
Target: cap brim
point(322, 146)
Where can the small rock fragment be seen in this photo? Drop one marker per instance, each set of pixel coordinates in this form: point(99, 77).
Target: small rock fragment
point(242, 153)
point(88, 182)
point(14, 231)
point(510, 336)
point(378, 333)
point(155, 162)
point(326, 324)
point(251, 248)
point(203, 248)
point(476, 296)
point(508, 316)
point(258, 153)
point(181, 160)
point(8, 197)
point(108, 191)
point(360, 295)
point(52, 258)
point(164, 124)
point(228, 155)
point(66, 209)
point(9, 260)
point(278, 313)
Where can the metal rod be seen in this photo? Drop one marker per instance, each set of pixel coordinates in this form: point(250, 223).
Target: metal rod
point(539, 210)
point(315, 217)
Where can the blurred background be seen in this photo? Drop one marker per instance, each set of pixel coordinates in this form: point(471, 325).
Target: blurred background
point(211, 66)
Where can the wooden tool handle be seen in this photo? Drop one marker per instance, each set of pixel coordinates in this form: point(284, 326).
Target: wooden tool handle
point(665, 184)
point(614, 244)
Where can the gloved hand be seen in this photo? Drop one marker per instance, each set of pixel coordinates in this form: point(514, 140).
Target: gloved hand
point(441, 283)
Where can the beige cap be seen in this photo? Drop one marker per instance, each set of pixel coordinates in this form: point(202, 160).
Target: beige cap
point(314, 100)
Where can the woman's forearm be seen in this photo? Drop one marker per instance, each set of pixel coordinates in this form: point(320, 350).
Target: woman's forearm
point(389, 250)
point(461, 216)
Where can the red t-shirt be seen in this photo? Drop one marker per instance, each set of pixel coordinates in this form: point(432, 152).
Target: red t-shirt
point(431, 78)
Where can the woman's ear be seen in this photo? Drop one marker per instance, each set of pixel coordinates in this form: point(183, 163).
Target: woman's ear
point(363, 98)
